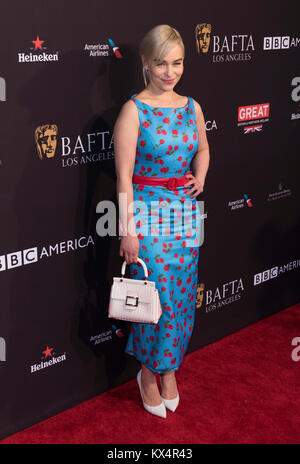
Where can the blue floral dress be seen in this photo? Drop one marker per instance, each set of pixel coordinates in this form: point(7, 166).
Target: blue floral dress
point(168, 226)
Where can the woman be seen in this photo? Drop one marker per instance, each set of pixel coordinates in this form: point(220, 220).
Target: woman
point(160, 135)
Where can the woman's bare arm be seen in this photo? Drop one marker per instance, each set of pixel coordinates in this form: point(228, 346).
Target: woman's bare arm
point(202, 157)
point(125, 141)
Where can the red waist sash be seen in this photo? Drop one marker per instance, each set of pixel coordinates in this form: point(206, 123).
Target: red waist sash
point(170, 182)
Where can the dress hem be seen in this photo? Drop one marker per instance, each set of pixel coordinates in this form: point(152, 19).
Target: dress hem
point(155, 371)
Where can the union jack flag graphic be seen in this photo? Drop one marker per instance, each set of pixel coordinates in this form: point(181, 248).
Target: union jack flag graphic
point(248, 130)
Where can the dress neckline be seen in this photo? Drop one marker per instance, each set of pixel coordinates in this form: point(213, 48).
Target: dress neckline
point(163, 107)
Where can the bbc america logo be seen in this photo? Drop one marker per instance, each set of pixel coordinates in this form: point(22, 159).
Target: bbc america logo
point(280, 42)
point(32, 255)
point(265, 275)
point(275, 271)
point(18, 258)
point(275, 43)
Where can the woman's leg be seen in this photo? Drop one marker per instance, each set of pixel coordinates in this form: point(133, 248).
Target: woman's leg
point(149, 386)
point(168, 385)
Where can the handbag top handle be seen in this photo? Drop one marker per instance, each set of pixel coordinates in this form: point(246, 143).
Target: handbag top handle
point(140, 261)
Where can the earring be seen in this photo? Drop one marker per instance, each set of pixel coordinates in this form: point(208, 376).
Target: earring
point(145, 74)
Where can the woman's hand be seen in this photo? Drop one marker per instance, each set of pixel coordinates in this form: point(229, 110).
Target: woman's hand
point(129, 248)
point(198, 185)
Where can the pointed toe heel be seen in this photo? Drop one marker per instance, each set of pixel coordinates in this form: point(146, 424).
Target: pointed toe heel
point(170, 404)
point(159, 410)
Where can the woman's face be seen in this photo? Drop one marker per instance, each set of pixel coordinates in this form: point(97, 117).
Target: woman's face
point(165, 74)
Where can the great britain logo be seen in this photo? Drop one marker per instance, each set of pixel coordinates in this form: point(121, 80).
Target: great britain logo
point(252, 117)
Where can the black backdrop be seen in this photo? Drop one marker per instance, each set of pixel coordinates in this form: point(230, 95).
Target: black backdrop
point(55, 271)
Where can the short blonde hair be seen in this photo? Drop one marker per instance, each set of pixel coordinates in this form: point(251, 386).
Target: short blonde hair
point(158, 42)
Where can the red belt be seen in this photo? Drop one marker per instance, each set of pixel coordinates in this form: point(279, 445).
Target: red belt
point(170, 182)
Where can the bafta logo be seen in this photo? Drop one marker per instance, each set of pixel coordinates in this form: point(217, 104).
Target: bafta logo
point(202, 33)
point(199, 298)
point(46, 140)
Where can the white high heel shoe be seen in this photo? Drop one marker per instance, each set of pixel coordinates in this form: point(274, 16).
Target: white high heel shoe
point(171, 404)
point(159, 410)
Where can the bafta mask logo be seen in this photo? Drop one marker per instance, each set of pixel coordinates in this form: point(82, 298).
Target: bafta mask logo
point(202, 32)
point(199, 298)
point(46, 140)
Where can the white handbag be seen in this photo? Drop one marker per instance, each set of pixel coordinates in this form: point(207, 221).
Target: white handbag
point(134, 300)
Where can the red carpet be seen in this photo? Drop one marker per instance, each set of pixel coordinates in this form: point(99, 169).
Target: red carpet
point(241, 389)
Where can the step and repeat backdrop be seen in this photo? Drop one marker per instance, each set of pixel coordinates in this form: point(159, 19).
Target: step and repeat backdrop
point(66, 69)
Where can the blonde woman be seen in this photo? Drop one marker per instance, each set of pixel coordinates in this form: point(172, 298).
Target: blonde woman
point(161, 158)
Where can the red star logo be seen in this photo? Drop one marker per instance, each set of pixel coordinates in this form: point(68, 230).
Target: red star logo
point(48, 352)
point(38, 43)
